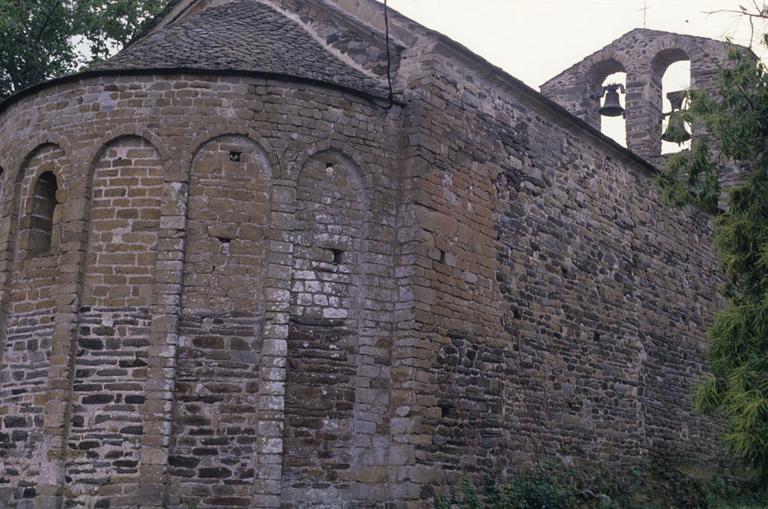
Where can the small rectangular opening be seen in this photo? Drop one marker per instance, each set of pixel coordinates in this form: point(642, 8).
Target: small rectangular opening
point(447, 410)
point(235, 156)
point(224, 245)
point(338, 256)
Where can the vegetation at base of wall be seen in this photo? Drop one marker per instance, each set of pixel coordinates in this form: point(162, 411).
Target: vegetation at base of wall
point(737, 122)
point(585, 487)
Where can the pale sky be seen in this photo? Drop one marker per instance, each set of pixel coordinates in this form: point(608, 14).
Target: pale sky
point(535, 40)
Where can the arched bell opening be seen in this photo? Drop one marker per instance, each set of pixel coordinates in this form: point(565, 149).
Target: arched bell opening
point(676, 134)
point(672, 75)
point(606, 82)
point(613, 108)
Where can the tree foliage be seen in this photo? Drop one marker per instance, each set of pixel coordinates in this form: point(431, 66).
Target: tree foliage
point(41, 39)
point(737, 122)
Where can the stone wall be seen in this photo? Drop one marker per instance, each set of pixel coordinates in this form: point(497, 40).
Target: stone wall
point(29, 307)
point(263, 293)
point(220, 329)
point(561, 315)
point(644, 55)
point(113, 334)
point(145, 357)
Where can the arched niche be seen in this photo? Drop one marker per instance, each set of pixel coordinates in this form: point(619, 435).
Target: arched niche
point(671, 73)
point(30, 304)
point(325, 299)
point(36, 228)
point(222, 319)
point(330, 217)
point(125, 195)
point(42, 202)
point(606, 72)
point(228, 209)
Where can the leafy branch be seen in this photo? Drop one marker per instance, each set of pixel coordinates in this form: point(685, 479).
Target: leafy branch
point(737, 126)
point(43, 39)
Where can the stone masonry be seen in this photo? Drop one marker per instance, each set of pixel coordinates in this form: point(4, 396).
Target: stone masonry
point(235, 275)
point(644, 55)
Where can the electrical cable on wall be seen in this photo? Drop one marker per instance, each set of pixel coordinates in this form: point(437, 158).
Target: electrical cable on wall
point(389, 57)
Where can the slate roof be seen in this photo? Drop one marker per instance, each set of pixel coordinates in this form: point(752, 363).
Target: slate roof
point(244, 35)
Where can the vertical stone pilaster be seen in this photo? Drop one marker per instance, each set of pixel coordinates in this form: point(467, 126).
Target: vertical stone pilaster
point(158, 407)
point(57, 399)
point(67, 292)
point(8, 265)
point(274, 354)
point(643, 105)
point(10, 196)
point(408, 407)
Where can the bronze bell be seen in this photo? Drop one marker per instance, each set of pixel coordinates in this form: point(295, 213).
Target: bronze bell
point(612, 105)
point(676, 99)
point(676, 131)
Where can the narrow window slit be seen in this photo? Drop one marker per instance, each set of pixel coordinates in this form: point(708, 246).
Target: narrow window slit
point(42, 217)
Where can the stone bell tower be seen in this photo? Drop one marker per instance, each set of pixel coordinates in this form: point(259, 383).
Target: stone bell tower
point(644, 55)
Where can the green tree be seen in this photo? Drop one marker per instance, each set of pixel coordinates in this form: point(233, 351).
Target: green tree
point(42, 39)
point(737, 122)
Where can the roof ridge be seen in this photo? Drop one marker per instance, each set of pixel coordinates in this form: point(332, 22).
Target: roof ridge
point(313, 33)
point(244, 35)
point(155, 21)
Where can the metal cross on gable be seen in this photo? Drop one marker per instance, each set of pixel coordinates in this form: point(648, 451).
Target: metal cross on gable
point(645, 13)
